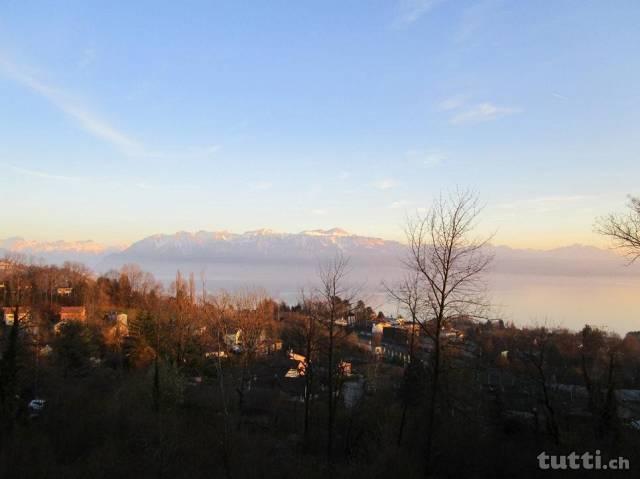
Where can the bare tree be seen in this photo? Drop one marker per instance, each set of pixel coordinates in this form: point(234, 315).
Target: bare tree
point(309, 332)
point(449, 262)
point(407, 294)
point(216, 313)
point(335, 294)
point(252, 314)
point(599, 370)
point(624, 229)
point(9, 360)
point(535, 356)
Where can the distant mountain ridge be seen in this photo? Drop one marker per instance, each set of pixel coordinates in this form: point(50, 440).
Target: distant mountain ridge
point(86, 251)
point(258, 250)
point(259, 245)
point(572, 285)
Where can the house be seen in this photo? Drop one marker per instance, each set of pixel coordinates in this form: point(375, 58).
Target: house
point(300, 368)
point(73, 313)
point(58, 327)
point(119, 319)
point(269, 346)
point(398, 334)
point(378, 327)
point(117, 326)
point(120, 327)
point(233, 339)
point(292, 373)
point(46, 350)
point(296, 357)
point(215, 354)
point(344, 368)
point(122, 320)
point(64, 291)
point(9, 314)
point(348, 321)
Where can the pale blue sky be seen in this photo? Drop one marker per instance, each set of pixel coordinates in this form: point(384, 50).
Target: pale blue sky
point(124, 119)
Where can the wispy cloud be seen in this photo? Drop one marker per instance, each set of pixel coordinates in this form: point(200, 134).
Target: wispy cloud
point(452, 103)
point(144, 186)
point(411, 11)
point(559, 96)
point(434, 159)
point(43, 174)
point(399, 204)
point(213, 149)
point(428, 159)
point(319, 212)
point(85, 119)
point(87, 57)
point(109, 183)
point(147, 186)
point(474, 18)
point(543, 204)
point(385, 184)
point(344, 175)
point(260, 185)
point(482, 112)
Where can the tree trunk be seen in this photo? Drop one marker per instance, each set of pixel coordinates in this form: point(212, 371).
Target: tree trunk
point(308, 382)
point(431, 413)
point(331, 404)
point(405, 405)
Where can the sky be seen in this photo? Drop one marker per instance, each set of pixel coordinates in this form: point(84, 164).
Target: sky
point(125, 119)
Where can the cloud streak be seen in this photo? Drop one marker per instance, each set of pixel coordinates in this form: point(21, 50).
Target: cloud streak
point(412, 10)
point(427, 159)
point(260, 185)
point(385, 184)
point(544, 204)
point(452, 103)
point(482, 112)
point(399, 204)
point(43, 174)
point(85, 119)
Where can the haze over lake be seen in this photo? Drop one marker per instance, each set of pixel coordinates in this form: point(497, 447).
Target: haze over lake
point(612, 302)
point(569, 301)
point(569, 286)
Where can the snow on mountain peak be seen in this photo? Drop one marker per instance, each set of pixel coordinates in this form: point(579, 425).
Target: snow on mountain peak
point(260, 232)
point(21, 245)
point(331, 232)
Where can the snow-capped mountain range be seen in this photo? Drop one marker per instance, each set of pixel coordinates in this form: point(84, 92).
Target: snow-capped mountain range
point(87, 251)
point(261, 250)
point(259, 245)
point(572, 286)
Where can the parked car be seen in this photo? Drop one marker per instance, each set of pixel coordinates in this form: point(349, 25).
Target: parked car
point(36, 406)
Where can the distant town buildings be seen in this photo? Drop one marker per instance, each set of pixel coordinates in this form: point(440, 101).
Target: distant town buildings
point(233, 339)
point(73, 313)
point(8, 314)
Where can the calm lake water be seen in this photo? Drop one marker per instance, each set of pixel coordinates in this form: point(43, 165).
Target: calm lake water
point(525, 299)
point(572, 302)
